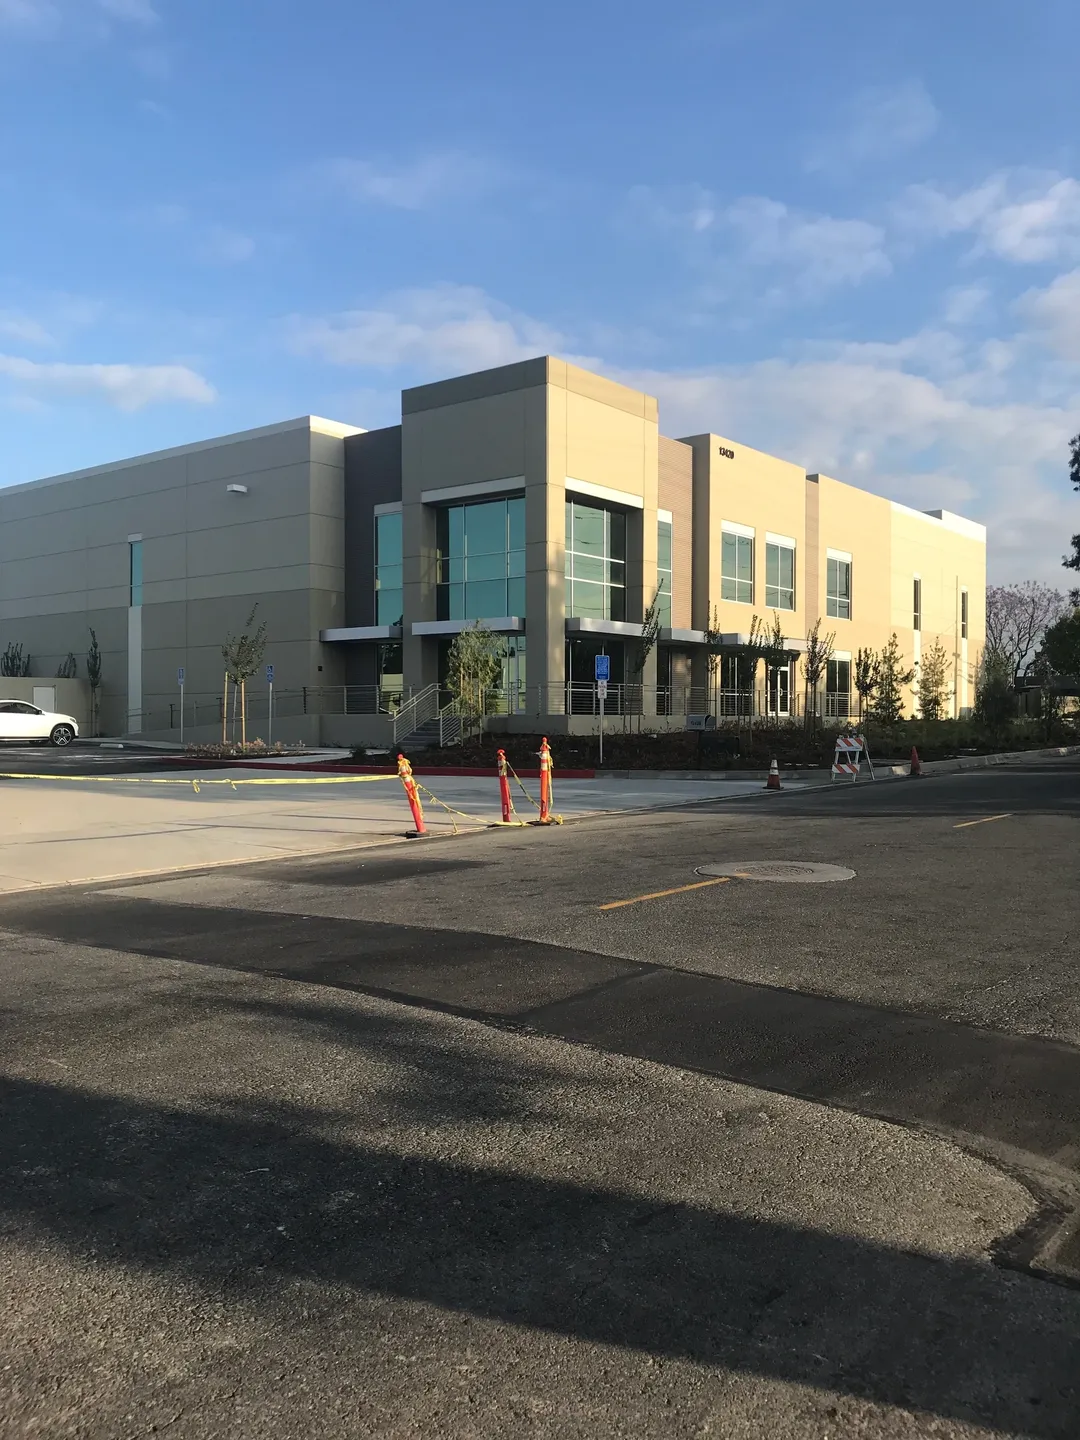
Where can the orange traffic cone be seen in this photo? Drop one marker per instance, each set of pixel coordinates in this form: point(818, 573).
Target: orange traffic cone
point(773, 782)
point(916, 765)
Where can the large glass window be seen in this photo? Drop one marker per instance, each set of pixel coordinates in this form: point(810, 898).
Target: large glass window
point(779, 577)
point(388, 581)
point(916, 604)
point(595, 562)
point(838, 588)
point(963, 614)
point(737, 567)
point(663, 571)
point(838, 689)
point(482, 560)
point(135, 575)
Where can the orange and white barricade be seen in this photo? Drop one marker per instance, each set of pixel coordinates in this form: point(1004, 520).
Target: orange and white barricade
point(850, 750)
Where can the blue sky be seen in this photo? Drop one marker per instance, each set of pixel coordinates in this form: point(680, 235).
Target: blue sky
point(848, 234)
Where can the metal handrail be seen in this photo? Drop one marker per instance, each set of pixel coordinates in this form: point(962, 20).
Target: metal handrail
point(423, 706)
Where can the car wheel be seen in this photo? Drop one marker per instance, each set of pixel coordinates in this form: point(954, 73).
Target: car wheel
point(62, 735)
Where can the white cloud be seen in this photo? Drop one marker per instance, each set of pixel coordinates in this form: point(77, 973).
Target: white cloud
point(877, 124)
point(965, 303)
point(1027, 217)
point(808, 253)
point(820, 251)
point(413, 186)
point(127, 387)
point(447, 329)
point(866, 419)
point(1054, 314)
point(25, 329)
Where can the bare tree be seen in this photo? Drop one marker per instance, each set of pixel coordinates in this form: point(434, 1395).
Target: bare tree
point(819, 651)
point(867, 674)
point(242, 655)
point(1017, 616)
point(650, 633)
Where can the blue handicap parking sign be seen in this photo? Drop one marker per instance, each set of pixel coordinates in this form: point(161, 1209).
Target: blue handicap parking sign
point(269, 674)
point(603, 667)
point(180, 675)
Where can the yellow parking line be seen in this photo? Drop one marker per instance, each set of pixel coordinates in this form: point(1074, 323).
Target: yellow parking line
point(659, 894)
point(984, 821)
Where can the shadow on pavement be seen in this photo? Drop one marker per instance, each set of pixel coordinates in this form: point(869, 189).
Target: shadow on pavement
point(246, 1202)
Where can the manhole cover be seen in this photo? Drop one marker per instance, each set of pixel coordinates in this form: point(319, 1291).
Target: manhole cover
point(787, 872)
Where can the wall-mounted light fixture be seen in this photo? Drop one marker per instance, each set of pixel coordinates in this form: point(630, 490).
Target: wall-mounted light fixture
point(237, 489)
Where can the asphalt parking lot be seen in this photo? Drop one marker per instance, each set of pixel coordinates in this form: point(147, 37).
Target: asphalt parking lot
point(449, 1139)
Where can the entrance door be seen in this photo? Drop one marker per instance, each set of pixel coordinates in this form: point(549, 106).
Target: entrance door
point(779, 701)
point(45, 697)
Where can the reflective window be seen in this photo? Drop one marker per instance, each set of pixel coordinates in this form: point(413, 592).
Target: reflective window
point(838, 689)
point(481, 560)
point(838, 588)
point(663, 570)
point(916, 604)
point(595, 562)
point(388, 569)
point(135, 573)
point(779, 577)
point(737, 567)
point(963, 614)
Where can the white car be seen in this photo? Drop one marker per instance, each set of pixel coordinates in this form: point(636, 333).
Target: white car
point(19, 720)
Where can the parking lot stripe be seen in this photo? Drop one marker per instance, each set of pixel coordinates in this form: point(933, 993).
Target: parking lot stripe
point(984, 821)
point(659, 894)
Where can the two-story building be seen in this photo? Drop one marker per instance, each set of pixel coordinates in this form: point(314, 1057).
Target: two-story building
point(538, 498)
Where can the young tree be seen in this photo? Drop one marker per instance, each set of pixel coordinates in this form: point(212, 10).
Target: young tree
point(1072, 562)
point(933, 670)
point(819, 651)
point(13, 663)
point(650, 633)
point(715, 650)
point(93, 674)
point(68, 668)
point(474, 668)
point(751, 653)
point(1017, 615)
point(995, 693)
point(774, 650)
point(887, 706)
point(243, 655)
point(867, 673)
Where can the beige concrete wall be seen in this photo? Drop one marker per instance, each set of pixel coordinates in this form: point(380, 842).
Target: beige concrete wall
point(947, 557)
point(72, 696)
point(208, 557)
point(675, 492)
point(755, 490)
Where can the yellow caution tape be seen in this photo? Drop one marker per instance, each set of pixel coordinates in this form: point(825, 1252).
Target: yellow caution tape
point(200, 780)
point(557, 819)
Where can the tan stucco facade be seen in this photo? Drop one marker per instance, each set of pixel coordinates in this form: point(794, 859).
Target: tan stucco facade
point(283, 517)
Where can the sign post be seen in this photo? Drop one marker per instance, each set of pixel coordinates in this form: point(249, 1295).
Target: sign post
point(270, 706)
point(602, 673)
point(180, 682)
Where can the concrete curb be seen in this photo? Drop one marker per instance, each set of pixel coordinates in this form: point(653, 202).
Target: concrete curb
point(976, 762)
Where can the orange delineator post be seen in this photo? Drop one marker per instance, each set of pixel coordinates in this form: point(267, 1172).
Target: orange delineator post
point(404, 770)
point(545, 782)
point(504, 788)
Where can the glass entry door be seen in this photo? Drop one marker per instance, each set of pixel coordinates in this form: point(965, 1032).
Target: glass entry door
point(779, 693)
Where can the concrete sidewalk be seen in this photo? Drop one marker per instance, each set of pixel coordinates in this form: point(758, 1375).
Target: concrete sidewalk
point(63, 830)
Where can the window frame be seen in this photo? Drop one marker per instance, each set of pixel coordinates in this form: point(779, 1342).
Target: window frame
point(916, 604)
point(135, 574)
point(965, 616)
point(781, 544)
point(833, 596)
point(665, 572)
point(742, 590)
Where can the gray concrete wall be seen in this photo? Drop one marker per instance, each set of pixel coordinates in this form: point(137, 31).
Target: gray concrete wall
point(372, 477)
point(209, 556)
point(72, 696)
